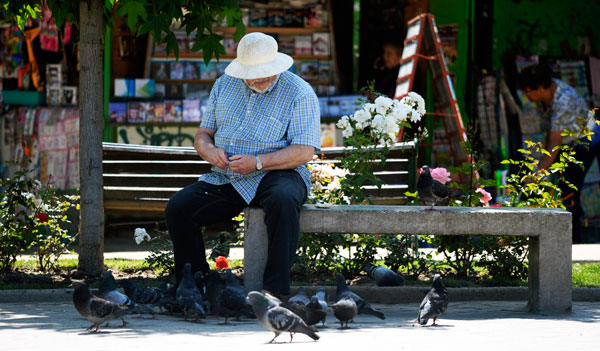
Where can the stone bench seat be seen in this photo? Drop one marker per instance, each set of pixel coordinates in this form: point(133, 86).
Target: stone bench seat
point(548, 230)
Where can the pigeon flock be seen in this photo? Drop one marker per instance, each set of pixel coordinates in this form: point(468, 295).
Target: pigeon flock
point(202, 295)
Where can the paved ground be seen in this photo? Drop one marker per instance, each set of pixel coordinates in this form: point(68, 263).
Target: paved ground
point(488, 325)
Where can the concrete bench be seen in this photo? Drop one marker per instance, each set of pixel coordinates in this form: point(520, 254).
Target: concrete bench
point(549, 232)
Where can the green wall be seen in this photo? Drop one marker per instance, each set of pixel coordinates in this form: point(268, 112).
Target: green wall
point(549, 28)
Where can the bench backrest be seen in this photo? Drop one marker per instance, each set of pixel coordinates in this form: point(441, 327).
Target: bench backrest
point(139, 179)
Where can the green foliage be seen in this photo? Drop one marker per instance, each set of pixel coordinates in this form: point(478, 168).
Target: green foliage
point(586, 275)
point(149, 16)
point(33, 215)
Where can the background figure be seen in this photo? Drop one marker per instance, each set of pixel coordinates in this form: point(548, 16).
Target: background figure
point(385, 68)
point(562, 109)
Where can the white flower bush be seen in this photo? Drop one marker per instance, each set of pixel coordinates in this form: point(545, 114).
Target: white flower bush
point(380, 122)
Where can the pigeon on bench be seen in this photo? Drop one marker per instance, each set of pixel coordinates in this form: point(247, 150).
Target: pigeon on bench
point(434, 303)
point(95, 309)
point(363, 307)
point(432, 191)
point(383, 276)
point(278, 319)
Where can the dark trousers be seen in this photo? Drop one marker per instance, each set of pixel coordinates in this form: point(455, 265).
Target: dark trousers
point(575, 175)
point(280, 193)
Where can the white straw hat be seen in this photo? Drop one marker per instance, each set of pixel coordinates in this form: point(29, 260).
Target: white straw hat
point(257, 57)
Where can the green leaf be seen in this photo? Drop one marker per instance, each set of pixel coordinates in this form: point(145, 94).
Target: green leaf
point(133, 10)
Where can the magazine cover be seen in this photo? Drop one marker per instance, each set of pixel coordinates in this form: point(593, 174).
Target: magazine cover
point(324, 71)
point(176, 70)
point(258, 18)
point(309, 70)
point(191, 111)
point(144, 88)
point(230, 45)
point(136, 112)
point(159, 90)
point(221, 65)
point(287, 44)
point(191, 70)
point(160, 70)
point(173, 111)
point(314, 15)
point(303, 44)
point(294, 17)
point(327, 134)
point(321, 43)
point(208, 72)
point(117, 112)
point(276, 17)
point(174, 91)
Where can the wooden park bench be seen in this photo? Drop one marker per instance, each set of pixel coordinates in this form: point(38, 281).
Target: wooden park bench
point(140, 179)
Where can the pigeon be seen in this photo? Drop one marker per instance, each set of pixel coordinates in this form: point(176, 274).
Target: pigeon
point(168, 301)
point(231, 301)
point(434, 303)
point(95, 309)
point(345, 310)
point(300, 297)
point(189, 296)
point(363, 306)
point(321, 296)
point(213, 284)
point(108, 291)
point(278, 319)
point(383, 276)
point(432, 191)
point(144, 296)
point(316, 312)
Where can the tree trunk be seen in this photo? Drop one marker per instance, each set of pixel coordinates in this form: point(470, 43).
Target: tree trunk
point(91, 239)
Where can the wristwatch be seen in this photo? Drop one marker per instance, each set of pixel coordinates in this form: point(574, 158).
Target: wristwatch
point(258, 164)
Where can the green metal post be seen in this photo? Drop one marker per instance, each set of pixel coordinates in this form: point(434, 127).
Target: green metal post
point(108, 132)
point(355, 45)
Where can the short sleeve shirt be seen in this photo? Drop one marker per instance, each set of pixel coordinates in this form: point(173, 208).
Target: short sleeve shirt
point(566, 108)
point(250, 123)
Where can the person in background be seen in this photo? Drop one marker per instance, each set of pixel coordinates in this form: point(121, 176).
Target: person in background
point(261, 127)
point(386, 68)
point(563, 109)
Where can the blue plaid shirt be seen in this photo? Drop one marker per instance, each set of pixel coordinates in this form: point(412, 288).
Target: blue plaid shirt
point(566, 107)
point(250, 123)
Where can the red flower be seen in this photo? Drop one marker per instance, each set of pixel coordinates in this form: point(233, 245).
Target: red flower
point(42, 217)
point(221, 262)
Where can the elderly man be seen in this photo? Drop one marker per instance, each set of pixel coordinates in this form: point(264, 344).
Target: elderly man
point(261, 127)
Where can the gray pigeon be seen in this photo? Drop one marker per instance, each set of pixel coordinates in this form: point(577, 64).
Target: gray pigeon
point(213, 284)
point(108, 290)
point(432, 191)
point(363, 306)
point(345, 310)
point(189, 296)
point(322, 300)
point(144, 296)
point(278, 319)
point(300, 297)
point(95, 309)
point(168, 301)
point(434, 303)
point(231, 301)
point(383, 276)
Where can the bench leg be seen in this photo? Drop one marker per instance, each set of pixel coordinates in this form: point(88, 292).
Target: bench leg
point(550, 273)
point(255, 248)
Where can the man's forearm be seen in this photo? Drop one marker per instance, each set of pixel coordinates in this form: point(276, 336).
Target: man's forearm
point(202, 143)
point(287, 158)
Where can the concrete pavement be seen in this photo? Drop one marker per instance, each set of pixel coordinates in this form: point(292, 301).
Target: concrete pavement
point(476, 325)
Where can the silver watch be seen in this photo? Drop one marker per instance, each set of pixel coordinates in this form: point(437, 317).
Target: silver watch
point(258, 163)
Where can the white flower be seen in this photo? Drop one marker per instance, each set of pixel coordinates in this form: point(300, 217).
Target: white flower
point(140, 235)
point(400, 111)
point(334, 185)
point(362, 116)
point(347, 133)
point(359, 126)
point(420, 102)
point(382, 104)
point(379, 122)
point(370, 107)
point(343, 123)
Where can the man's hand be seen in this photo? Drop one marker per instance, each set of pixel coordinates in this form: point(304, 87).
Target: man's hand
point(218, 158)
point(242, 164)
